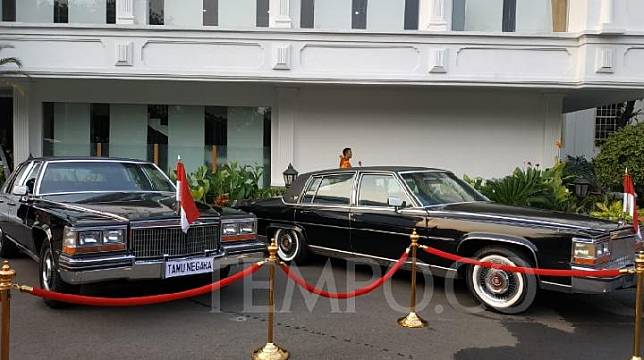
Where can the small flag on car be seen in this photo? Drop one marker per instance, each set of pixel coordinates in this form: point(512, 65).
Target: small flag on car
point(187, 208)
point(630, 206)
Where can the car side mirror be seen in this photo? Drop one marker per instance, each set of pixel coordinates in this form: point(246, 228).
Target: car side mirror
point(20, 190)
point(396, 202)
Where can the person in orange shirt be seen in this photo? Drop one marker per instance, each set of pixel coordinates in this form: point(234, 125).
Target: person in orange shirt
point(345, 158)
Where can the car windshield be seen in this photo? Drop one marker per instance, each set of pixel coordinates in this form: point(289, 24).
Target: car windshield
point(440, 188)
point(97, 176)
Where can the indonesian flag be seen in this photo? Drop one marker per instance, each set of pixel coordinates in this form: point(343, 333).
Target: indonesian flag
point(630, 206)
point(188, 209)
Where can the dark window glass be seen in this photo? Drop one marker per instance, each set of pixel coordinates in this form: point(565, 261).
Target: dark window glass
point(307, 14)
point(155, 12)
point(216, 133)
point(411, 14)
point(30, 179)
point(375, 190)
point(6, 131)
point(458, 15)
point(60, 11)
point(311, 190)
point(262, 13)
point(359, 14)
point(48, 128)
point(334, 190)
point(158, 135)
point(110, 15)
point(509, 15)
point(8, 10)
point(99, 129)
point(69, 177)
point(210, 12)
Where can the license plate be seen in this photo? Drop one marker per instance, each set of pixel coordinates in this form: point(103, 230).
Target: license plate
point(174, 268)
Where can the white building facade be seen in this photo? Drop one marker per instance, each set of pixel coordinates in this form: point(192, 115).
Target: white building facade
point(476, 86)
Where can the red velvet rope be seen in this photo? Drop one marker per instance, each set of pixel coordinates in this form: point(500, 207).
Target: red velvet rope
point(521, 269)
point(145, 300)
point(345, 295)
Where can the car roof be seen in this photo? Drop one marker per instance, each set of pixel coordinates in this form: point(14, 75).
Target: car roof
point(87, 158)
point(374, 168)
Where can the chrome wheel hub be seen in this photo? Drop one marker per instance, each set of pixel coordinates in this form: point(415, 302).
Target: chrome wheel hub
point(497, 281)
point(47, 271)
point(496, 287)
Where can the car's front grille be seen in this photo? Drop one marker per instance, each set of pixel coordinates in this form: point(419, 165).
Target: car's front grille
point(622, 248)
point(171, 241)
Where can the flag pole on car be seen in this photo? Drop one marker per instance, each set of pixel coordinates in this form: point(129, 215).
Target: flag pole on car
point(186, 207)
point(630, 205)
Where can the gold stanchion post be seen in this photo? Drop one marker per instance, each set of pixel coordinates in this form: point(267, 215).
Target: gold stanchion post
point(270, 351)
point(639, 270)
point(6, 283)
point(412, 320)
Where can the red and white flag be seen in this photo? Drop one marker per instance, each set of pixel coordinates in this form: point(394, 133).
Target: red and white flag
point(630, 206)
point(188, 210)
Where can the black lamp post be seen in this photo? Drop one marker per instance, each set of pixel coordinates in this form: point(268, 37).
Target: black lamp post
point(581, 187)
point(290, 174)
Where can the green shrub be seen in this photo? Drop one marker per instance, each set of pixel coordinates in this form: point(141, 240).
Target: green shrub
point(579, 168)
point(531, 187)
point(231, 182)
point(622, 150)
point(2, 178)
point(610, 210)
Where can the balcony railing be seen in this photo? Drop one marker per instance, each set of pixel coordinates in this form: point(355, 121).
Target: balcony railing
point(528, 16)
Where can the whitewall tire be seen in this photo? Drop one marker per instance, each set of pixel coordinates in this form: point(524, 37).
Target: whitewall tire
point(291, 246)
point(501, 291)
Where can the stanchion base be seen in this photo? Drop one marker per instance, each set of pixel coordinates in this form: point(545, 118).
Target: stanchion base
point(270, 351)
point(636, 358)
point(412, 321)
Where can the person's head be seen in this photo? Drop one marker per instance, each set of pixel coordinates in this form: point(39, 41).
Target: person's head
point(346, 152)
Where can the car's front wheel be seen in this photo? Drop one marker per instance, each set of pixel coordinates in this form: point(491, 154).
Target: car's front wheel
point(50, 279)
point(504, 292)
point(291, 246)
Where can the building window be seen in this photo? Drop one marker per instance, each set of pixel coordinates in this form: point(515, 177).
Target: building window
point(158, 135)
point(99, 125)
point(8, 10)
point(210, 12)
point(307, 14)
point(155, 12)
point(605, 122)
point(110, 12)
point(61, 11)
point(359, 14)
point(411, 14)
point(509, 16)
point(458, 15)
point(262, 13)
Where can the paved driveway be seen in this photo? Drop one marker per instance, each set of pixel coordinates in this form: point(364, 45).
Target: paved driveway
point(557, 327)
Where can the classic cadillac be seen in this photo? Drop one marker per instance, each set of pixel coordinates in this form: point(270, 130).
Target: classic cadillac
point(87, 220)
point(370, 212)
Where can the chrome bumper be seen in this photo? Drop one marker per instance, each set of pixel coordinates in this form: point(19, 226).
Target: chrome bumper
point(602, 285)
point(126, 267)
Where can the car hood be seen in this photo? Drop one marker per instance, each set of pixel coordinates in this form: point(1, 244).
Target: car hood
point(124, 206)
point(529, 216)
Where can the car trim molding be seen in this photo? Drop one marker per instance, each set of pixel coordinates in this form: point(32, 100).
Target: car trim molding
point(499, 239)
point(84, 209)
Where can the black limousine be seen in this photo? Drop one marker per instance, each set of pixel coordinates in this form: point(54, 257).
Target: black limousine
point(88, 220)
point(370, 212)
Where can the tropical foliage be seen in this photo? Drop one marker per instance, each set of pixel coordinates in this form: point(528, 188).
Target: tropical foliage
point(622, 150)
point(4, 72)
point(532, 187)
point(231, 182)
point(610, 210)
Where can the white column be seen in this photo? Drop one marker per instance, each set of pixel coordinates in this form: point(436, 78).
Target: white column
point(21, 123)
point(125, 11)
point(280, 14)
point(610, 16)
point(435, 15)
point(283, 128)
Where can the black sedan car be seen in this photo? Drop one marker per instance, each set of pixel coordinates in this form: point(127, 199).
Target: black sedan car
point(87, 220)
point(370, 212)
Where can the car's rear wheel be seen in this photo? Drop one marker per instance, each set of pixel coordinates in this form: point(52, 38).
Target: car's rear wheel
point(50, 279)
point(501, 291)
point(7, 248)
point(291, 246)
